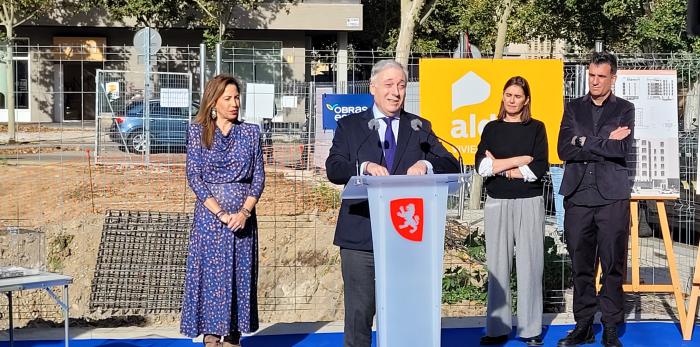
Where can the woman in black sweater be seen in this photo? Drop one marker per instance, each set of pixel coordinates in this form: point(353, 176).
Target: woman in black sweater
point(512, 156)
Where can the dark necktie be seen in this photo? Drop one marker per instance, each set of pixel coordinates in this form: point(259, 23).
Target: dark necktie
point(389, 143)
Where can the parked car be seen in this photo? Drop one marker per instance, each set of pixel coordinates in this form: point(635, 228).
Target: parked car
point(168, 127)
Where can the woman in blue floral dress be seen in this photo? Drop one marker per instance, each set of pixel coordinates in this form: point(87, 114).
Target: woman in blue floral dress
point(225, 171)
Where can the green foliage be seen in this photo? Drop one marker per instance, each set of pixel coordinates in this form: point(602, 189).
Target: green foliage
point(623, 25)
point(154, 13)
point(460, 284)
point(475, 247)
point(328, 197)
point(439, 32)
point(663, 28)
point(457, 285)
point(16, 12)
point(58, 251)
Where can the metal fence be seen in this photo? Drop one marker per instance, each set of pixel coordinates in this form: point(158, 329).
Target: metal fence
point(52, 185)
point(128, 131)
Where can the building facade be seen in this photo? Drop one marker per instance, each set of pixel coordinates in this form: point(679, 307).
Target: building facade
point(56, 59)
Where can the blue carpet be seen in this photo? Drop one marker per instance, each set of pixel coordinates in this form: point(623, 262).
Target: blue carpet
point(635, 334)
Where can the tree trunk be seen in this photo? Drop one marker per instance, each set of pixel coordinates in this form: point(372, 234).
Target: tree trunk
point(224, 15)
point(409, 16)
point(10, 97)
point(502, 29)
point(691, 109)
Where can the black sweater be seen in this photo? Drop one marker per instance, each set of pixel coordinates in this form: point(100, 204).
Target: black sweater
point(505, 140)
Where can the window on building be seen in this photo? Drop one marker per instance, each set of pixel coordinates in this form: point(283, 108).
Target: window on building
point(644, 149)
point(644, 173)
point(661, 144)
point(20, 65)
point(644, 157)
point(255, 61)
point(662, 166)
point(644, 142)
point(663, 173)
point(661, 151)
point(644, 165)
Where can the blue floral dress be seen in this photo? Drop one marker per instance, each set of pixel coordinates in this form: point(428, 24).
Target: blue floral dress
point(222, 266)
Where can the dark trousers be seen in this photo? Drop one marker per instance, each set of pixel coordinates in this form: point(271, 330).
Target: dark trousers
point(357, 268)
point(598, 232)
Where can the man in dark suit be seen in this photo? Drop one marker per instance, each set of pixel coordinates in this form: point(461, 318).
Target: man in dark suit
point(594, 140)
point(394, 148)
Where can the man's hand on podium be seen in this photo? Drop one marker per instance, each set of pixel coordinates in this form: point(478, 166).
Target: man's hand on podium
point(374, 169)
point(417, 169)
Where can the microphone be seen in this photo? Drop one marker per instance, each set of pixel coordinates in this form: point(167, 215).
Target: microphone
point(417, 125)
point(373, 125)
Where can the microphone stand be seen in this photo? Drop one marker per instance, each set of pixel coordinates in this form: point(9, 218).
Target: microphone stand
point(373, 125)
point(462, 179)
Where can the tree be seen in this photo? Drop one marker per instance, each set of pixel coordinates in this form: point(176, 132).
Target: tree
point(148, 13)
point(439, 25)
point(12, 14)
point(410, 9)
point(218, 15)
point(507, 6)
point(623, 25)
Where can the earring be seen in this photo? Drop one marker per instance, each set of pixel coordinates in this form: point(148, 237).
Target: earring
point(213, 113)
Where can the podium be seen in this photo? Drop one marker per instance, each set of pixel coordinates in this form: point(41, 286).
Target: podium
point(408, 216)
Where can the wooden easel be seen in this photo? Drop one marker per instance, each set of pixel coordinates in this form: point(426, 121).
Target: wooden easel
point(636, 286)
point(689, 323)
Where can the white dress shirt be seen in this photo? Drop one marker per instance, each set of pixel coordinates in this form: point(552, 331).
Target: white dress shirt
point(381, 130)
point(486, 170)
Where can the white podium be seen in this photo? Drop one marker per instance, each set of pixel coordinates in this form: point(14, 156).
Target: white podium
point(408, 216)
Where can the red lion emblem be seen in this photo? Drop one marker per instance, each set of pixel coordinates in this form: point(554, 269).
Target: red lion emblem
point(407, 218)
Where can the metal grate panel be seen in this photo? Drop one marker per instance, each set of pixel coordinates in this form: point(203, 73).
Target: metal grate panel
point(141, 262)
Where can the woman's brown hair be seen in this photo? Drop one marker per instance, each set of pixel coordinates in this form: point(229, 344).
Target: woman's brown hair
point(212, 92)
point(522, 83)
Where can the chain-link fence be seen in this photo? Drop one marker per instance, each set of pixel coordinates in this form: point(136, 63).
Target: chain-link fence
point(51, 184)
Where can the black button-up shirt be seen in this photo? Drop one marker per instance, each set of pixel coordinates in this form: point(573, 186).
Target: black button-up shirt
point(587, 193)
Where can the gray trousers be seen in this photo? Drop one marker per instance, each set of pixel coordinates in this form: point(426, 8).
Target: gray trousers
point(519, 222)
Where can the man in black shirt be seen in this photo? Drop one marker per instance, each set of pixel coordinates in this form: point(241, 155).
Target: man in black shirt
point(594, 139)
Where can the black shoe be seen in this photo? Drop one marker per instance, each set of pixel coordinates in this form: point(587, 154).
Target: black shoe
point(610, 338)
point(493, 340)
point(581, 335)
point(532, 341)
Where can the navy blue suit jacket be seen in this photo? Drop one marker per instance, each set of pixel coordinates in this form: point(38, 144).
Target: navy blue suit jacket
point(609, 156)
point(353, 230)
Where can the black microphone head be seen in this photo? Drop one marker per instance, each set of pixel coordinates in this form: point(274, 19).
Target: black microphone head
point(373, 124)
point(416, 124)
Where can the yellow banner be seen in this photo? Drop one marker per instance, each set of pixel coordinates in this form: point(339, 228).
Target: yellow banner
point(459, 96)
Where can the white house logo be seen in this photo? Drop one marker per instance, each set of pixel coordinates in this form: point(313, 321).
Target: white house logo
point(470, 90)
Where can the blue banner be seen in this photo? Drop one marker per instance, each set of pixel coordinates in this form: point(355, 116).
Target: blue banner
point(337, 106)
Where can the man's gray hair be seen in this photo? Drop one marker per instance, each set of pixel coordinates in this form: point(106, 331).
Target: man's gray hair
point(387, 64)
